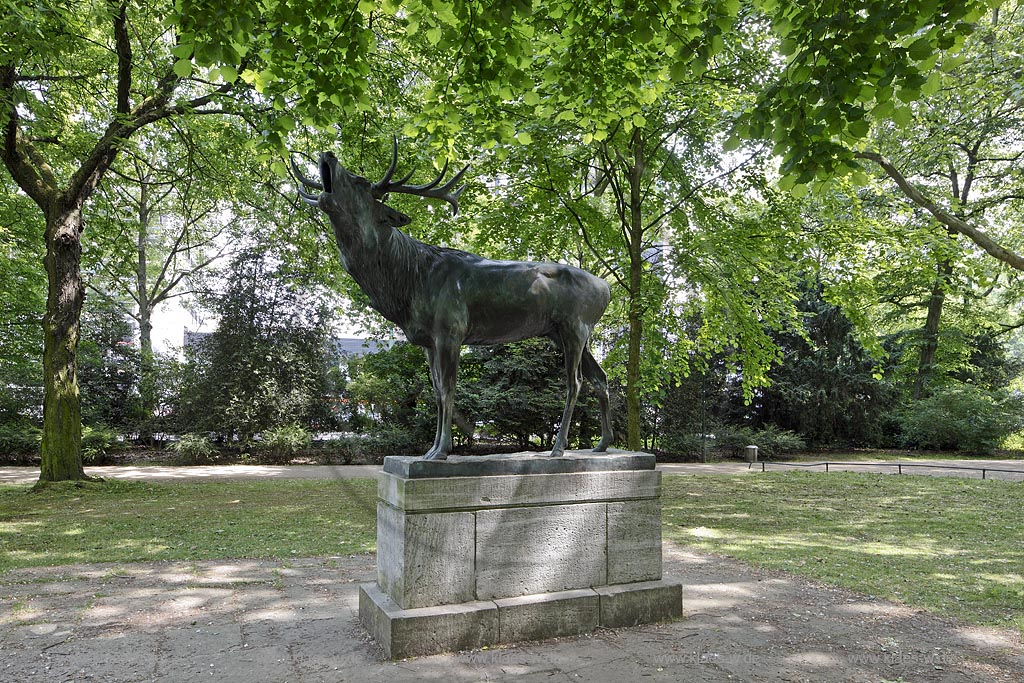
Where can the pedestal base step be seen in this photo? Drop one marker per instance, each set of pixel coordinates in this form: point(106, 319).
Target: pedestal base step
point(446, 628)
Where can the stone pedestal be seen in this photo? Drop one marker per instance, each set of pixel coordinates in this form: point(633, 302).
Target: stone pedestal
point(475, 551)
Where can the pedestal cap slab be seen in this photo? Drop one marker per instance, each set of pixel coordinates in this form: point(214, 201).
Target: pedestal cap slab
point(411, 467)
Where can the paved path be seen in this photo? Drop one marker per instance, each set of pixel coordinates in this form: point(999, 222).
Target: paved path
point(28, 475)
point(270, 621)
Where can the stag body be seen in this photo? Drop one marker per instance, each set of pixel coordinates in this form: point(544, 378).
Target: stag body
point(445, 298)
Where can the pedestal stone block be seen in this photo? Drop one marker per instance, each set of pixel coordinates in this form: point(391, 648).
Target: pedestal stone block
point(475, 493)
point(634, 541)
point(524, 551)
point(631, 604)
point(552, 615)
point(425, 560)
point(426, 630)
point(496, 549)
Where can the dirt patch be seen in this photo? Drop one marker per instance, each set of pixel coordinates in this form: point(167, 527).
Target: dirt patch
point(295, 620)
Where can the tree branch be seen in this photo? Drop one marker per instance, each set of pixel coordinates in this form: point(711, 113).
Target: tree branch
point(1007, 256)
point(124, 309)
point(26, 167)
point(124, 60)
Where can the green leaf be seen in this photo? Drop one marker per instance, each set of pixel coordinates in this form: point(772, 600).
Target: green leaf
point(443, 10)
point(933, 84)
point(787, 182)
point(531, 98)
point(524, 138)
point(908, 95)
point(920, 48)
point(903, 116)
point(182, 51)
point(228, 73)
point(434, 35)
point(183, 68)
point(883, 109)
point(951, 63)
point(858, 129)
point(679, 70)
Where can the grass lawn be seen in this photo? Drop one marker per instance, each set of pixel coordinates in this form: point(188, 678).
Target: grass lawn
point(119, 521)
point(953, 546)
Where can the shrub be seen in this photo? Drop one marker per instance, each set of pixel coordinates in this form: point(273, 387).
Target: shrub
point(98, 442)
point(193, 448)
point(962, 417)
point(772, 441)
point(1013, 442)
point(19, 442)
point(284, 443)
point(733, 439)
point(688, 447)
point(369, 449)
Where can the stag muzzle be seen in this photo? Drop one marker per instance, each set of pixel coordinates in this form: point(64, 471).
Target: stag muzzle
point(328, 162)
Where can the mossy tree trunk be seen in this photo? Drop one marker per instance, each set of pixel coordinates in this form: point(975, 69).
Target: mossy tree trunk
point(62, 412)
point(635, 314)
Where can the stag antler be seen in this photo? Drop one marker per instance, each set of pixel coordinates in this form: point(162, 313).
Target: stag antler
point(307, 197)
point(430, 189)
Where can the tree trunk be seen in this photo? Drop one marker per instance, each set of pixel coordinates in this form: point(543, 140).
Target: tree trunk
point(930, 333)
point(147, 383)
point(62, 411)
point(635, 312)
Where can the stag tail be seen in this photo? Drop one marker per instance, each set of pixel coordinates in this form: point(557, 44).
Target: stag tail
point(433, 189)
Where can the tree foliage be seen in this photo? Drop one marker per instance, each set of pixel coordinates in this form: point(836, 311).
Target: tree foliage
point(269, 362)
point(78, 83)
point(108, 369)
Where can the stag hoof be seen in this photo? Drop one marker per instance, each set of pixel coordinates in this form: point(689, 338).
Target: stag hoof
point(557, 452)
point(434, 454)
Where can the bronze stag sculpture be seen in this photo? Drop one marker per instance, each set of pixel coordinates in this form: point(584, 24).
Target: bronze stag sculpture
point(445, 298)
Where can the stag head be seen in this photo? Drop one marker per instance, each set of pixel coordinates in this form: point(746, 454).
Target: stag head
point(345, 195)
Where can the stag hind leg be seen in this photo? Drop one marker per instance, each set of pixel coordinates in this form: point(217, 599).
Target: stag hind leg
point(443, 358)
point(595, 375)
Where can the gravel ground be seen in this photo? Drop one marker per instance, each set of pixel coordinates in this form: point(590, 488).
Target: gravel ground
point(295, 620)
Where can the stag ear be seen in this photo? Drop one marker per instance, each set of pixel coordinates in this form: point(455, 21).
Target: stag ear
point(389, 216)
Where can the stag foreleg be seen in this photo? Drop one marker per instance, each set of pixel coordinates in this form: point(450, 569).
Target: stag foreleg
point(572, 347)
point(443, 358)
